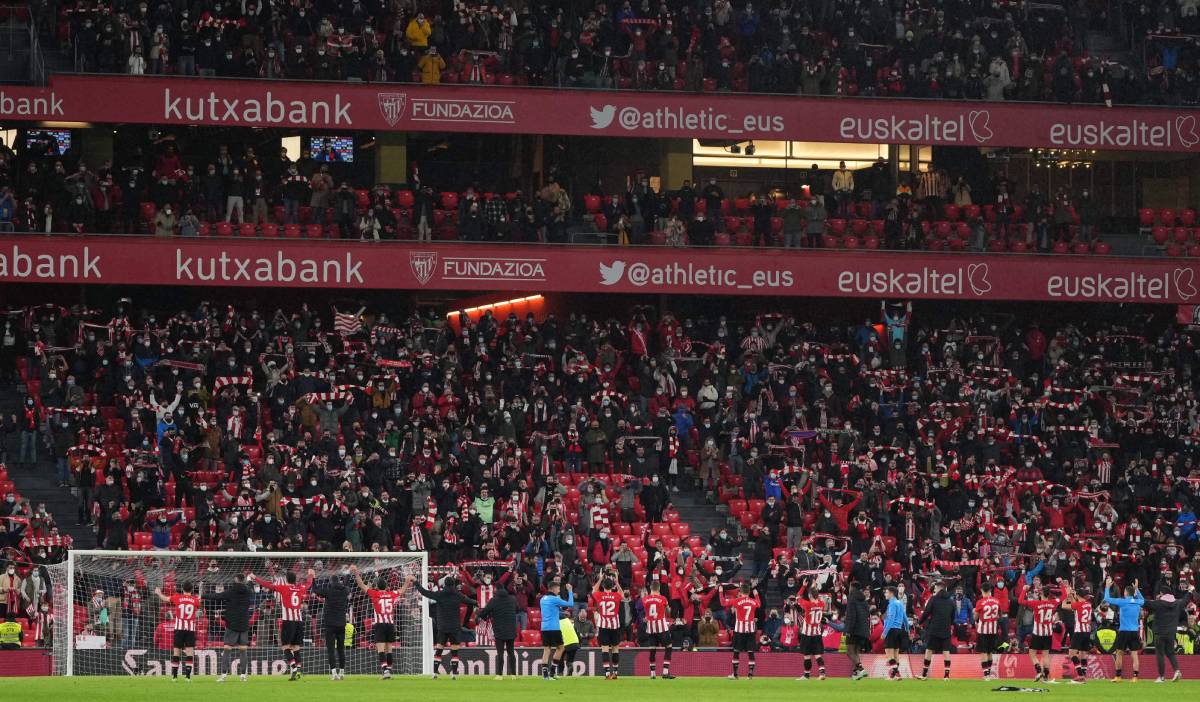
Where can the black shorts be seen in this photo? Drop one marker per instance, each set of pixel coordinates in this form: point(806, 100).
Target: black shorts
point(183, 639)
point(744, 642)
point(987, 643)
point(659, 640)
point(863, 643)
point(445, 638)
point(384, 633)
point(896, 638)
point(609, 637)
point(1128, 641)
point(236, 638)
point(291, 634)
point(1081, 641)
point(552, 639)
point(938, 644)
point(812, 645)
point(1039, 643)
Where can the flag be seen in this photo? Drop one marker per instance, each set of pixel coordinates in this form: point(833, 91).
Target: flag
point(346, 323)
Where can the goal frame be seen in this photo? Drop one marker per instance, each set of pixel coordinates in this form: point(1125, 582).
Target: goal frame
point(73, 555)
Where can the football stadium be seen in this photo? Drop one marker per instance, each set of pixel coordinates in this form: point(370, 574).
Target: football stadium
point(890, 390)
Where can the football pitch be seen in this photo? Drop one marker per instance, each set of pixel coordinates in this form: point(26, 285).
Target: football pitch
point(477, 689)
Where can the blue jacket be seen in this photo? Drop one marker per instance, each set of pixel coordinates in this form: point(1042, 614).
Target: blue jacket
point(772, 488)
point(550, 606)
point(895, 617)
point(1130, 609)
point(1186, 524)
point(963, 610)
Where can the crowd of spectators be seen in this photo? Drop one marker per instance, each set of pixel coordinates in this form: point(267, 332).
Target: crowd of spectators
point(238, 192)
point(995, 51)
point(987, 449)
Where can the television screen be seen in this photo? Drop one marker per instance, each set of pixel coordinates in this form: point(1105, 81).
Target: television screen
point(48, 142)
point(332, 149)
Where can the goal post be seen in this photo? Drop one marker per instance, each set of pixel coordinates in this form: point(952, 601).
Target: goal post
point(108, 621)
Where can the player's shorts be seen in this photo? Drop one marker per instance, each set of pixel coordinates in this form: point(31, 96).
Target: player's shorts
point(938, 644)
point(896, 638)
point(552, 638)
point(446, 638)
point(236, 638)
point(609, 637)
point(291, 634)
point(1039, 643)
point(661, 640)
point(183, 639)
point(384, 633)
point(1081, 641)
point(1128, 641)
point(744, 642)
point(987, 643)
point(862, 642)
point(812, 645)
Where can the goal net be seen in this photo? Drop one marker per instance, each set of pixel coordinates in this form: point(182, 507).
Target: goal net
point(108, 621)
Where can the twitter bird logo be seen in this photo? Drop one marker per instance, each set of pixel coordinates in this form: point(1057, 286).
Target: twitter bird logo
point(611, 275)
point(603, 117)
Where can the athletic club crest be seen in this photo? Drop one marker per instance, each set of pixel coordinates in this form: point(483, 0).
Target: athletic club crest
point(391, 105)
point(423, 264)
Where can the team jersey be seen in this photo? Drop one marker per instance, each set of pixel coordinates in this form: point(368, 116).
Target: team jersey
point(743, 607)
point(658, 620)
point(291, 598)
point(1083, 616)
point(186, 607)
point(608, 609)
point(384, 603)
point(987, 616)
point(1043, 615)
point(814, 617)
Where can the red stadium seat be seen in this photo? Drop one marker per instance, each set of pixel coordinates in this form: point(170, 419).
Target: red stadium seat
point(1146, 217)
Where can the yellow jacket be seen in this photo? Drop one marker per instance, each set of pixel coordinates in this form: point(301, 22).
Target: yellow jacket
point(417, 33)
point(568, 631)
point(431, 66)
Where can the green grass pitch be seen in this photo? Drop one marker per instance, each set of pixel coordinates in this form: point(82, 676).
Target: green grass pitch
point(317, 688)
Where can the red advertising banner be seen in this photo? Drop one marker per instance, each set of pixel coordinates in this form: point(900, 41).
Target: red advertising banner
point(507, 110)
point(116, 260)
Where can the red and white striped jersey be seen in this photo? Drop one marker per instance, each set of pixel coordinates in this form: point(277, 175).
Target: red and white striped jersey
point(814, 617)
point(484, 594)
point(1043, 615)
point(1083, 616)
point(987, 616)
point(384, 604)
point(291, 598)
point(658, 614)
point(43, 624)
point(743, 608)
point(608, 609)
point(186, 607)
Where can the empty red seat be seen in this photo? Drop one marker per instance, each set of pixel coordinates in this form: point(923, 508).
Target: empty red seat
point(829, 241)
point(742, 204)
point(971, 211)
point(952, 212)
point(405, 199)
point(247, 230)
point(837, 226)
point(591, 203)
point(859, 226)
point(1187, 217)
point(1194, 250)
point(148, 211)
point(270, 230)
point(291, 231)
point(1182, 234)
point(1174, 250)
point(449, 201)
point(871, 242)
point(224, 229)
point(1166, 217)
point(1082, 247)
point(1160, 235)
point(942, 229)
point(1146, 217)
point(1102, 248)
point(850, 242)
point(314, 231)
point(1060, 247)
point(1018, 246)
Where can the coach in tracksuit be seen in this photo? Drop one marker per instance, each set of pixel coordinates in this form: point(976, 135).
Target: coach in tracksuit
point(237, 597)
point(337, 599)
point(502, 610)
point(1167, 613)
point(938, 619)
point(857, 625)
point(446, 623)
